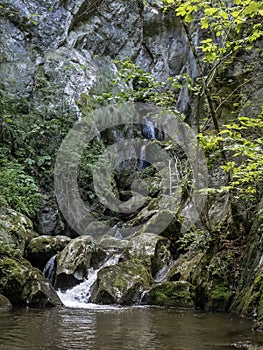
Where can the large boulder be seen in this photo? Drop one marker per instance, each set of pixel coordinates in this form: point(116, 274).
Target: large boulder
point(153, 249)
point(22, 284)
point(42, 248)
point(172, 294)
point(15, 229)
point(75, 260)
point(122, 283)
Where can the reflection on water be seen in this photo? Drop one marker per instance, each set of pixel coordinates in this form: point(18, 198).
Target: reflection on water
point(123, 329)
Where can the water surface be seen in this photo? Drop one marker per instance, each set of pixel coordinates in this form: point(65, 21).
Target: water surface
point(124, 329)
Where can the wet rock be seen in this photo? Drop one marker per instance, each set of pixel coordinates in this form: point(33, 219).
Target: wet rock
point(249, 299)
point(42, 248)
point(5, 304)
point(122, 283)
point(151, 248)
point(75, 260)
point(16, 229)
point(109, 242)
point(22, 284)
point(172, 294)
point(49, 220)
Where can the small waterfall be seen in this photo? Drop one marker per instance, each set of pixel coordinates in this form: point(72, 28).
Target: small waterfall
point(142, 160)
point(163, 273)
point(50, 269)
point(118, 234)
point(79, 296)
point(148, 129)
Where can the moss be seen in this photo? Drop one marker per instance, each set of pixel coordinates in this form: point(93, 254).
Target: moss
point(172, 294)
point(122, 283)
point(21, 283)
point(219, 298)
point(251, 299)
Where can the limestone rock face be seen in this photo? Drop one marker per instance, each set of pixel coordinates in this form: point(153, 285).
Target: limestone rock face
point(67, 46)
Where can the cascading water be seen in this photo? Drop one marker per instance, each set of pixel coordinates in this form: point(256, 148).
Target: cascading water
point(148, 129)
point(50, 269)
point(163, 273)
point(142, 162)
point(79, 296)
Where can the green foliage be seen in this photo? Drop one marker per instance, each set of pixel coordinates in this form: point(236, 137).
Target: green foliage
point(134, 84)
point(32, 139)
point(243, 145)
point(19, 189)
point(193, 240)
point(230, 25)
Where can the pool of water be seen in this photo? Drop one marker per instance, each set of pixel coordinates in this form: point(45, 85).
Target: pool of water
point(128, 328)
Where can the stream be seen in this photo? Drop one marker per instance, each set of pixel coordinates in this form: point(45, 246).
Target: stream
point(127, 328)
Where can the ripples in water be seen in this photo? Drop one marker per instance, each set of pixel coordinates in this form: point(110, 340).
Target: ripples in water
point(129, 328)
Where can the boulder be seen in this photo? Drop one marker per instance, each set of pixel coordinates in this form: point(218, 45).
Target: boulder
point(171, 294)
point(42, 248)
point(154, 250)
point(23, 284)
point(122, 283)
point(15, 229)
point(75, 260)
point(5, 304)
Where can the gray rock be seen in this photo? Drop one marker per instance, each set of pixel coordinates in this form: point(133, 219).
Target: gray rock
point(151, 248)
point(5, 304)
point(22, 284)
point(16, 64)
point(75, 260)
point(42, 248)
point(122, 283)
point(15, 229)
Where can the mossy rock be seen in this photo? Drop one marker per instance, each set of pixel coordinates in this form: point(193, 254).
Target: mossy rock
point(74, 261)
point(22, 284)
point(185, 267)
point(122, 283)
point(171, 294)
point(5, 304)
point(153, 249)
point(107, 241)
point(251, 300)
point(15, 229)
point(42, 248)
point(219, 298)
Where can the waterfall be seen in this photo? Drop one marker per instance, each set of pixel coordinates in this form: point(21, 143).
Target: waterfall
point(148, 129)
point(50, 270)
point(142, 162)
point(163, 273)
point(79, 296)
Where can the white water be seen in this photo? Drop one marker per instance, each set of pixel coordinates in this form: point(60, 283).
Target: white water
point(78, 296)
point(148, 129)
point(142, 157)
point(163, 273)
